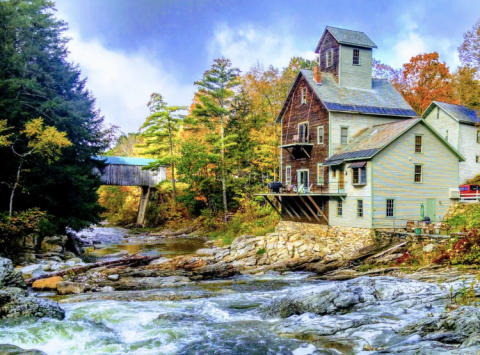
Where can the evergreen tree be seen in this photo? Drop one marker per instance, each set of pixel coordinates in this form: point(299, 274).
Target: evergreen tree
point(215, 93)
point(159, 131)
point(36, 80)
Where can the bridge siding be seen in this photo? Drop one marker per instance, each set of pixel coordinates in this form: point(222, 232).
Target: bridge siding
point(132, 175)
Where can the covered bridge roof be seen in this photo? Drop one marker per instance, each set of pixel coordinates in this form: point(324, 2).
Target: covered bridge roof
point(126, 160)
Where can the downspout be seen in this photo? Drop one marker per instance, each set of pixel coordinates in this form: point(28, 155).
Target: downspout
point(371, 195)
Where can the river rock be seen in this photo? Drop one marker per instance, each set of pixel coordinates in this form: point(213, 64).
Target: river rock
point(106, 289)
point(31, 271)
point(114, 277)
point(6, 349)
point(55, 243)
point(208, 251)
point(134, 283)
point(47, 284)
point(67, 287)
point(9, 277)
point(429, 248)
point(15, 302)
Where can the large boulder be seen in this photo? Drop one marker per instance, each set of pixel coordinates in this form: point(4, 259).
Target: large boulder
point(47, 284)
point(9, 277)
point(6, 349)
point(31, 271)
point(54, 243)
point(15, 302)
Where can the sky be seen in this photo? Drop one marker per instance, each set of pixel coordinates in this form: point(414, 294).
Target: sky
point(129, 49)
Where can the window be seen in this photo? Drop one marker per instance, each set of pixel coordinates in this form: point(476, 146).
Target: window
point(478, 136)
point(334, 174)
point(304, 96)
point(303, 132)
point(360, 208)
point(390, 208)
point(438, 113)
point(446, 135)
point(356, 57)
point(329, 58)
point(320, 132)
point(288, 175)
point(339, 208)
point(418, 173)
point(418, 144)
point(477, 159)
point(359, 176)
point(344, 135)
point(319, 174)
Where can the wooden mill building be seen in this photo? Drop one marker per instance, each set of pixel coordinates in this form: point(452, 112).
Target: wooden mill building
point(336, 121)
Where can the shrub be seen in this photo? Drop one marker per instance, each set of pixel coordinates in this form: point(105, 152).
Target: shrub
point(261, 251)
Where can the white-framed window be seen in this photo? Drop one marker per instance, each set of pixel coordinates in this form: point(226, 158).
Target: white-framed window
point(288, 175)
point(303, 178)
point(320, 134)
point(320, 179)
point(329, 58)
point(304, 96)
point(418, 174)
point(356, 57)
point(360, 208)
point(418, 144)
point(303, 132)
point(339, 208)
point(390, 207)
point(359, 176)
point(344, 135)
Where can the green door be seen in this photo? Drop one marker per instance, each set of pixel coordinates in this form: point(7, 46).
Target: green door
point(431, 210)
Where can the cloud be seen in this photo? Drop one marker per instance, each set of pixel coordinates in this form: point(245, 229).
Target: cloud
point(246, 45)
point(122, 83)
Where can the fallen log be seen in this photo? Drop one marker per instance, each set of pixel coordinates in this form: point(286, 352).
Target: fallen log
point(130, 261)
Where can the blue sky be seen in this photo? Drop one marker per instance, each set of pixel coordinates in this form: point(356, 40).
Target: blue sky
point(131, 48)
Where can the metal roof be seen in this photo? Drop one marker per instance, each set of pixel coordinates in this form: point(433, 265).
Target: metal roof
point(376, 138)
point(126, 160)
point(382, 99)
point(347, 37)
point(460, 113)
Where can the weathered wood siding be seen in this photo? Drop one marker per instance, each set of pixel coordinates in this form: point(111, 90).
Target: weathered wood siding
point(354, 193)
point(329, 42)
point(318, 116)
point(355, 76)
point(393, 177)
point(132, 175)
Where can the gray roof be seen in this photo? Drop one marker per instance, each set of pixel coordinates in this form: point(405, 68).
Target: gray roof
point(126, 160)
point(382, 99)
point(460, 113)
point(376, 138)
point(348, 37)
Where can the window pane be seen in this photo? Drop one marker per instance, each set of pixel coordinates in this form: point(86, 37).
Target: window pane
point(339, 208)
point(356, 57)
point(418, 144)
point(418, 173)
point(359, 208)
point(390, 207)
point(355, 176)
point(363, 176)
point(320, 174)
point(344, 135)
point(320, 135)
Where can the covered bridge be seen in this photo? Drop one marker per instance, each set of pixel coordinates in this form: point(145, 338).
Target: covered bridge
point(126, 171)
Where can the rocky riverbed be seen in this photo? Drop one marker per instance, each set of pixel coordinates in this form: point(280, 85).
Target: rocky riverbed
point(208, 304)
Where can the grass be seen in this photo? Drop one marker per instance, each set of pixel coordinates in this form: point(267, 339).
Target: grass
point(261, 251)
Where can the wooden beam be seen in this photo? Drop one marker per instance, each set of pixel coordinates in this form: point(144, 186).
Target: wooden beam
point(308, 155)
point(273, 206)
point(284, 207)
point(318, 208)
point(142, 208)
point(293, 157)
point(293, 210)
point(301, 209)
point(310, 208)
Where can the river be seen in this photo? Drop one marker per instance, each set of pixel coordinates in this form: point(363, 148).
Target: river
point(238, 316)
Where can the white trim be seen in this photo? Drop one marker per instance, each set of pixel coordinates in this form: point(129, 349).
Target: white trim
point(322, 128)
point(320, 168)
point(304, 96)
point(287, 181)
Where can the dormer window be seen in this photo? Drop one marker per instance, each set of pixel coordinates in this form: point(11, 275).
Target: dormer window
point(329, 58)
point(356, 57)
point(304, 96)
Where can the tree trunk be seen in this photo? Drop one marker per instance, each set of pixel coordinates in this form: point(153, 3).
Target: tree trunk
point(173, 168)
point(15, 187)
point(224, 188)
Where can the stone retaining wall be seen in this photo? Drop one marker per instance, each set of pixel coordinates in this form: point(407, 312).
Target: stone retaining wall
point(297, 240)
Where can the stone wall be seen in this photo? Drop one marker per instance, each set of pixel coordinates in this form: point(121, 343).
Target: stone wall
point(294, 240)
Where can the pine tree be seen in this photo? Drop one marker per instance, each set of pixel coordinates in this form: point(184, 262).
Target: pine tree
point(215, 93)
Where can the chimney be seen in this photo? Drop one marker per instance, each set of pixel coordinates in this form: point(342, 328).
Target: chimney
point(317, 75)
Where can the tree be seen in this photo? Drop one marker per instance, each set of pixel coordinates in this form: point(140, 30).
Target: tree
point(159, 132)
point(469, 50)
point(126, 145)
point(425, 79)
point(36, 80)
point(215, 93)
point(467, 87)
point(43, 142)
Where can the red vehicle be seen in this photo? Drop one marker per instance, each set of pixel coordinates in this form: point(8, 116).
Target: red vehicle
point(470, 191)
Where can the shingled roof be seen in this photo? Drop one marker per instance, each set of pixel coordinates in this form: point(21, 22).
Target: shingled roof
point(382, 99)
point(461, 113)
point(347, 37)
point(376, 138)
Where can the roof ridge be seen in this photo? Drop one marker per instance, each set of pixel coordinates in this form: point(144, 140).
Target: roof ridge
point(448, 103)
point(345, 29)
point(394, 122)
